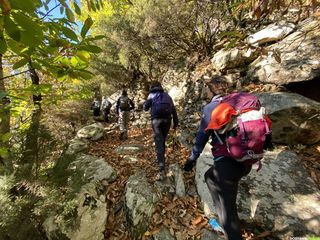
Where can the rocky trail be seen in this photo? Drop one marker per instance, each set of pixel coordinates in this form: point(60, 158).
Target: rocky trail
point(182, 216)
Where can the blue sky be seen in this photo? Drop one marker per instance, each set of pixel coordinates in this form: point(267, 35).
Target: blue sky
point(55, 13)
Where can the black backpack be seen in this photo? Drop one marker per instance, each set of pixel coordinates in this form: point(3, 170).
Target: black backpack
point(162, 105)
point(124, 103)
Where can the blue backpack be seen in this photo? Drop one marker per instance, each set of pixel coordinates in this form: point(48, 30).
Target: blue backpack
point(162, 105)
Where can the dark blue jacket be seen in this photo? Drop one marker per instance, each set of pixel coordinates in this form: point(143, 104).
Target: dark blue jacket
point(202, 136)
point(155, 92)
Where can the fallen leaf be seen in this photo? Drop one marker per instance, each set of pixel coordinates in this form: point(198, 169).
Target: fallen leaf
point(197, 220)
point(193, 232)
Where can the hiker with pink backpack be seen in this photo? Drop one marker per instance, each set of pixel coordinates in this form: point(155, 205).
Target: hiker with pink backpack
point(240, 130)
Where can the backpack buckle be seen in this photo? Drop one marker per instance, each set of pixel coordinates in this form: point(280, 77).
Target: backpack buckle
point(250, 153)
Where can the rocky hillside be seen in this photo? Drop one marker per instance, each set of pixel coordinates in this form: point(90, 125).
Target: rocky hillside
point(278, 202)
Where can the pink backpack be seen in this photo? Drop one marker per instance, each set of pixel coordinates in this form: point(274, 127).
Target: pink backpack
point(243, 137)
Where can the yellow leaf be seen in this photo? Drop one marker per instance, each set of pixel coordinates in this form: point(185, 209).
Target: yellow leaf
point(76, 81)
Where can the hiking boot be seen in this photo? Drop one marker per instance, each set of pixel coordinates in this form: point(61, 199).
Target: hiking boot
point(121, 136)
point(125, 136)
point(160, 176)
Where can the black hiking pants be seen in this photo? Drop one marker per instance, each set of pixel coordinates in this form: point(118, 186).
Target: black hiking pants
point(106, 113)
point(96, 112)
point(160, 127)
point(222, 180)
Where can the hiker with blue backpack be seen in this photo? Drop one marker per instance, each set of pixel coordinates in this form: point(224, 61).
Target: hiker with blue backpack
point(162, 112)
point(239, 130)
point(123, 107)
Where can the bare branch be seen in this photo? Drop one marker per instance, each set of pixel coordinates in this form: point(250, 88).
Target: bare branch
point(46, 15)
point(14, 75)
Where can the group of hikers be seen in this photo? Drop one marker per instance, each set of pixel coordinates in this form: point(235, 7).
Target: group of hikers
point(238, 128)
point(123, 107)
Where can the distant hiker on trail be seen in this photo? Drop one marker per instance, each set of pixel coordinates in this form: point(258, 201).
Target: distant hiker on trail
point(162, 111)
point(95, 107)
point(229, 140)
point(123, 107)
point(105, 108)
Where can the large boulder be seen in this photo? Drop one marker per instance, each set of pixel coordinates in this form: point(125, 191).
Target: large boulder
point(139, 204)
point(77, 145)
point(233, 58)
point(281, 196)
point(295, 119)
point(299, 54)
point(271, 33)
point(88, 178)
point(92, 132)
point(204, 162)
point(91, 168)
point(89, 222)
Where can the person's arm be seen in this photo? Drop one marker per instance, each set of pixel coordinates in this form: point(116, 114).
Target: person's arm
point(109, 105)
point(175, 117)
point(202, 137)
point(131, 103)
point(102, 105)
point(147, 104)
point(117, 106)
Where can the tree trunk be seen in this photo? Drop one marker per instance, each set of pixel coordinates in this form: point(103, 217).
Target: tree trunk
point(35, 80)
point(30, 155)
point(5, 119)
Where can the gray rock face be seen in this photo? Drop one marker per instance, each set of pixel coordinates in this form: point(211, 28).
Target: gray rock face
point(300, 57)
point(295, 119)
point(139, 202)
point(271, 33)
point(93, 168)
point(281, 195)
point(233, 58)
point(204, 162)
point(93, 132)
point(77, 146)
point(90, 174)
point(92, 215)
point(178, 180)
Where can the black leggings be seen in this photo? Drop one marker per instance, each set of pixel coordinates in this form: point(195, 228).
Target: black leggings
point(222, 180)
point(160, 127)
